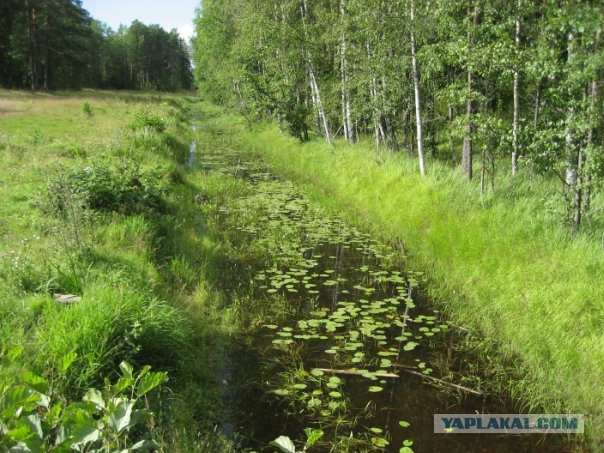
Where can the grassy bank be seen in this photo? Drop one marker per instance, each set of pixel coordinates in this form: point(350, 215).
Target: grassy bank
point(95, 202)
point(501, 264)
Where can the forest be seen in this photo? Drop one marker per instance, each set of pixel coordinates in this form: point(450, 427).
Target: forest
point(495, 87)
point(56, 44)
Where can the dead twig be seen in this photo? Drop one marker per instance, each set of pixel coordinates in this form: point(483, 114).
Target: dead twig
point(410, 370)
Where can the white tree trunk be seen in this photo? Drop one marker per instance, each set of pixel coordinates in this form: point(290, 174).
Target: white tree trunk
point(314, 86)
point(573, 156)
point(516, 125)
point(349, 133)
point(418, 107)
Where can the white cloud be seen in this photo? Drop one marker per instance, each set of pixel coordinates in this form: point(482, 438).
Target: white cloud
point(186, 31)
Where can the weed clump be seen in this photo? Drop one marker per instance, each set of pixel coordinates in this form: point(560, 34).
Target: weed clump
point(124, 188)
point(144, 119)
point(87, 109)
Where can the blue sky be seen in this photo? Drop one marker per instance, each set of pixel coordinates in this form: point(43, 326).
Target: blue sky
point(169, 14)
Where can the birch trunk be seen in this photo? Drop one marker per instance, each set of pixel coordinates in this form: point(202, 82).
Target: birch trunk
point(314, 86)
point(590, 140)
point(373, 91)
point(418, 108)
point(515, 151)
point(349, 132)
point(593, 93)
point(573, 156)
point(466, 160)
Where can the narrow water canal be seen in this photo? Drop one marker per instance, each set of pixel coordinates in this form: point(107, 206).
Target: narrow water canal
point(350, 345)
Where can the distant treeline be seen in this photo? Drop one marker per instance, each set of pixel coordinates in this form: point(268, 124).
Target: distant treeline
point(56, 44)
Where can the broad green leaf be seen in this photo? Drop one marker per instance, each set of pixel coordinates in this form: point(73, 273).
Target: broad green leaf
point(284, 443)
point(145, 445)
point(28, 433)
point(410, 346)
point(312, 435)
point(126, 369)
point(379, 442)
point(35, 425)
point(35, 382)
point(149, 382)
point(120, 411)
point(26, 441)
point(94, 396)
point(81, 428)
point(18, 397)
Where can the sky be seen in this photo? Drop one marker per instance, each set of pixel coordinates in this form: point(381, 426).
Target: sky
point(169, 14)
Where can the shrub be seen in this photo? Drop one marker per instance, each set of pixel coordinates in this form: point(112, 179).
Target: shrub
point(121, 188)
point(35, 417)
point(144, 119)
point(87, 109)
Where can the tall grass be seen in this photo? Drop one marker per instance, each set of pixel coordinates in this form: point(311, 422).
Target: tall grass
point(502, 264)
point(113, 323)
point(142, 274)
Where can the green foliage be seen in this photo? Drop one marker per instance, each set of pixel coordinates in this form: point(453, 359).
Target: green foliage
point(144, 119)
point(286, 445)
point(142, 277)
point(135, 57)
point(103, 186)
point(35, 417)
point(87, 109)
point(496, 79)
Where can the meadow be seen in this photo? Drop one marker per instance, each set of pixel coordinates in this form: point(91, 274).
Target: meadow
point(94, 203)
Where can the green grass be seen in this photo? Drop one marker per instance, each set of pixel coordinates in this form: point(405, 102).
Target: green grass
point(143, 270)
point(502, 264)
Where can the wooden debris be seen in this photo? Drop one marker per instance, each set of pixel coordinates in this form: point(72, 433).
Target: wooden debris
point(201, 198)
point(66, 298)
point(410, 370)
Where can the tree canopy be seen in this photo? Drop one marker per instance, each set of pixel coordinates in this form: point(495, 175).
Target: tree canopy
point(474, 81)
point(56, 44)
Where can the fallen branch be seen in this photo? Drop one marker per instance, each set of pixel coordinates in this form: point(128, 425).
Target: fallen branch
point(408, 369)
point(66, 299)
point(356, 373)
point(464, 329)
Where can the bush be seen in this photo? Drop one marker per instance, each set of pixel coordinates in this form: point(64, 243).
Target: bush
point(87, 109)
point(35, 417)
point(123, 188)
point(144, 119)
